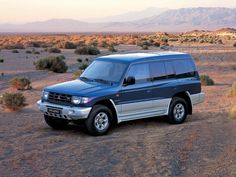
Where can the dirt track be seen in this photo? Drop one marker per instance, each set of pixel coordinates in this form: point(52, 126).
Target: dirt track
point(203, 146)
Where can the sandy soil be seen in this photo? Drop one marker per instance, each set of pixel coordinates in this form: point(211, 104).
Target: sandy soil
point(203, 146)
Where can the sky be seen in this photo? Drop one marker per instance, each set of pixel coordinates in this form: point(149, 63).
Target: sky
point(22, 11)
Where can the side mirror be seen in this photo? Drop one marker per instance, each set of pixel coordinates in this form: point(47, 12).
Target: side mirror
point(129, 81)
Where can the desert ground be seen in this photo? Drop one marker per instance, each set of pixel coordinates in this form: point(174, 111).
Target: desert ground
point(205, 145)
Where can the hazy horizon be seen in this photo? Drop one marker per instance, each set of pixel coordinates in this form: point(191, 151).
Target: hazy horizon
point(24, 11)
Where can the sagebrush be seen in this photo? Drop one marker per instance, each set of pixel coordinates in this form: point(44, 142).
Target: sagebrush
point(55, 64)
point(206, 80)
point(87, 50)
point(21, 83)
point(13, 101)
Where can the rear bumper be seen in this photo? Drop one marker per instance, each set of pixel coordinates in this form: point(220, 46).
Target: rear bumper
point(67, 112)
point(197, 98)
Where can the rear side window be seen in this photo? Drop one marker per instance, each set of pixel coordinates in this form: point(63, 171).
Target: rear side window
point(140, 72)
point(170, 72)
point(184, 68)
point(158, 71)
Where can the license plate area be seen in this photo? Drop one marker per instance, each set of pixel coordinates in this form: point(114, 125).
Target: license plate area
point(54, 111)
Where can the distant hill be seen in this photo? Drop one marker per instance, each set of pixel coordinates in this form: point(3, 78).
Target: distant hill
point(178, 20)
point(132, 16)
point(192, 18)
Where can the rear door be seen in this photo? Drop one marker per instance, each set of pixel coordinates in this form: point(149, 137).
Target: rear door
point(164, 84)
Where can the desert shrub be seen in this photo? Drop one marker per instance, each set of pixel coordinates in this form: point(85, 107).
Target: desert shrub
point(145, 47)
point(234, 67)
point(143, 43)
point(112, 49)
point(232, 91)
point(54, 64)
point(220, 41)
point(206, 80)
point(76, 74)
point(79, 60)
point(28, 51)
point(14, 46)
point(102, 44)
point(83, 66)
point(35, 44)
point(35, 52)
point(87, 50)
point(173, 39)
point(234, 45)
point(1, 60)
point(211, 41)
point(13, 101)
point(69, 45)
point(156, 44)
point(201, 41)
point(21, 83)
point(80, 43)
point(15, 51)
point(233, 112)
point(62, 57)
point(54, 50)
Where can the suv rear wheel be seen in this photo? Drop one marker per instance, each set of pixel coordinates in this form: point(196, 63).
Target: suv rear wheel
point(99, 120)
point(55, 123)
point(177, 111)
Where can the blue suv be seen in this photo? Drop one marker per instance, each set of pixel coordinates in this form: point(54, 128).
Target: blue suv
point(126, 87)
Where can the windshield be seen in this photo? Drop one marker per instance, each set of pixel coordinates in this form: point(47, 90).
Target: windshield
point(104, 71)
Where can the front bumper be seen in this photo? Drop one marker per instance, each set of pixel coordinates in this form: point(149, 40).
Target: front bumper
point(67, 112)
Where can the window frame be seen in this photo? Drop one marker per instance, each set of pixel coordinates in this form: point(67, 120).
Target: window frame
point(172, 60)
point(185, 75)
point(137, 63)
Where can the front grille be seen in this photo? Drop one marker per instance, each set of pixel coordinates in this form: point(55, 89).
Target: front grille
point(59, 98)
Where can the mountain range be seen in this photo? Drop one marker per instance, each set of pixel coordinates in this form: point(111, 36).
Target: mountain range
point(169, 20)
point(132, 16)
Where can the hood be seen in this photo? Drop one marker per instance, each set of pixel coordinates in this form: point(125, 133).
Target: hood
point(78, 88)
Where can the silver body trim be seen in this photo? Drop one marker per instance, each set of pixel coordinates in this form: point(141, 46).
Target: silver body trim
point(67, 112)
point(144, 109)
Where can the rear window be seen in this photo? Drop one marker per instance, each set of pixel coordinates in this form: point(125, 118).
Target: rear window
point(184, 68)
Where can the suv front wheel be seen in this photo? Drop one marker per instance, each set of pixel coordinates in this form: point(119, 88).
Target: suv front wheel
point(99, 120)
point(177, 111)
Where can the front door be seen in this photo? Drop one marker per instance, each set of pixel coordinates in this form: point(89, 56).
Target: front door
point(136, 99)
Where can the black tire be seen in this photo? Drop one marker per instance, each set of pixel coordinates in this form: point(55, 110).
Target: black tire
point(56, 123)
point(99, 112)
point(176, 116)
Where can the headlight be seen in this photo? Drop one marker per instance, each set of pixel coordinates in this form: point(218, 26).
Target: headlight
point(79, 100)
point(45, 95)
point(76, 100)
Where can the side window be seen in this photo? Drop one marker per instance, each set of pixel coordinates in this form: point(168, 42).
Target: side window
point(184, 68)
point(158, 71)
point(170, 72)
point(140, 72)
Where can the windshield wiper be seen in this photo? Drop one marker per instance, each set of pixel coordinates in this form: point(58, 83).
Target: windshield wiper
point(103, 81)
point(86, 79)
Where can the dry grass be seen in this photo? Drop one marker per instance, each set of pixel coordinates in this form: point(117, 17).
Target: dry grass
point(233, 112)
point(232, 91)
